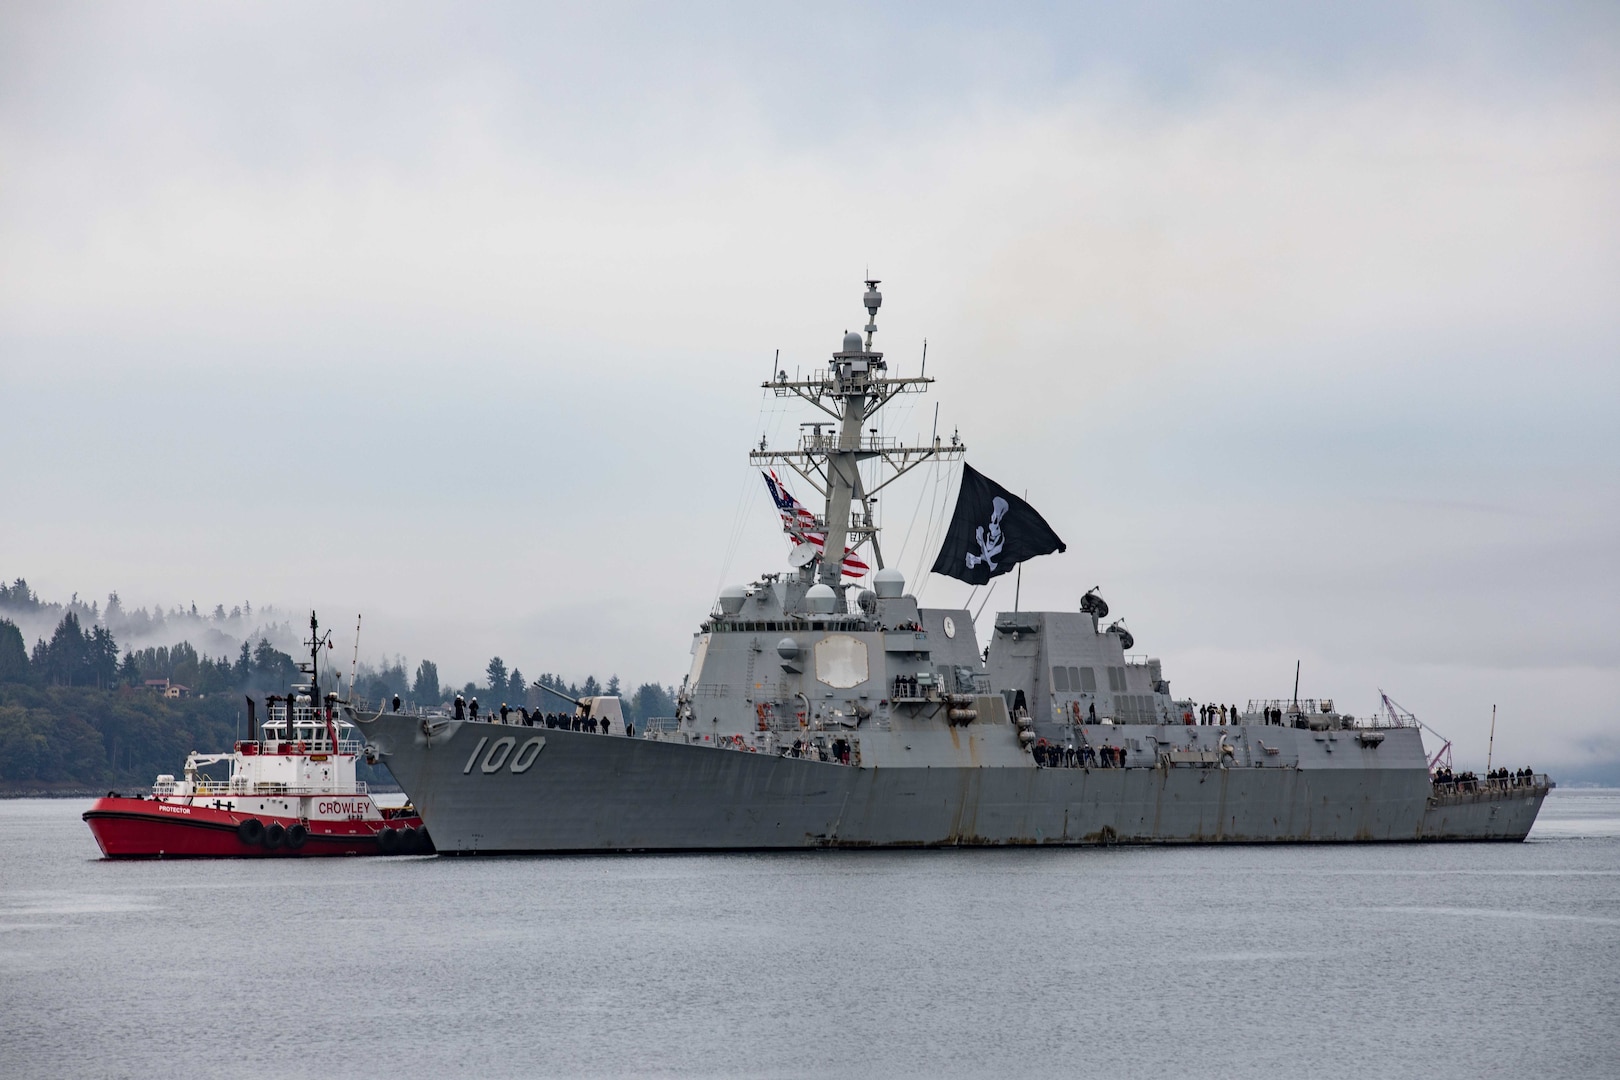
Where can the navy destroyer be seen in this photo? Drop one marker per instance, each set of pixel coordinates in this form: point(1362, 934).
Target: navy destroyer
point(821, 712)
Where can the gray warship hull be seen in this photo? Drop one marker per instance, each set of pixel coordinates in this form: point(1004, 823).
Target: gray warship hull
point(575, 792)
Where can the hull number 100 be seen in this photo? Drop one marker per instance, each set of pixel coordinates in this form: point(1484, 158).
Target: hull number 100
point(501, 753)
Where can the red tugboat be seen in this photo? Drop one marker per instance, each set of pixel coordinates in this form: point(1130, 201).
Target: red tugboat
point(291, 792)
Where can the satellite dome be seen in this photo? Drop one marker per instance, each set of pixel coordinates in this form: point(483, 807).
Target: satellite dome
point(867, 601)
point(889, 583)
point(731, 599)
point(852, 342)
point(819, 599)
point(787, 648)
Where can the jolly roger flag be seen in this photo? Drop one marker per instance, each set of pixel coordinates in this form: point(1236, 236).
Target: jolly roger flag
point(992, 531)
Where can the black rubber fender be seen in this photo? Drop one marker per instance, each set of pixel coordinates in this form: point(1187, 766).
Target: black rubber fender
point(388, 840)
point(250, 832)
point(297, 833)
point(275, 834)
point(409, 840)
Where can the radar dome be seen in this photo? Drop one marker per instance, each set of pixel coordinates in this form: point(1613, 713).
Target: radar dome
point(819, 599)
point(787, 648)
point(731, 599)
point(889, 583)
point(852, 342)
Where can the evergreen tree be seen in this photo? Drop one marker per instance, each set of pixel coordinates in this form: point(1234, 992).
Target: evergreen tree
point(495, 673)
point(13, 653)
point(19, 597)
point(426, 686)
point(651, 700)
point(592, 688)
point(129, 672)
point(102, 656)
point(612, 686)
point(67, 655)
point(516, 688)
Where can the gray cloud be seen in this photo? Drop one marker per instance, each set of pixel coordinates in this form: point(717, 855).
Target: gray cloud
point(1299, 324)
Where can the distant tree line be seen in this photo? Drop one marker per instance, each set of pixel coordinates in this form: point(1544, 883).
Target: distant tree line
point(76, 657)
point(74, 711)
point(240, 622)
point(505, 687)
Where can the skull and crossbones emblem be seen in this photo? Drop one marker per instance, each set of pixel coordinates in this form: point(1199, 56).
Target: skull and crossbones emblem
point(991, 539)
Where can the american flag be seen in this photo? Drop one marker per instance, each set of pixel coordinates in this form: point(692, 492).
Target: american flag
point(800, 524)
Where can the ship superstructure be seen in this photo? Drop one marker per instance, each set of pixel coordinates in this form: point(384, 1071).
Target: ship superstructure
point(820, 711)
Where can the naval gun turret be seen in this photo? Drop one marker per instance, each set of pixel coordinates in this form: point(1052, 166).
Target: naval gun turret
point(595, 708)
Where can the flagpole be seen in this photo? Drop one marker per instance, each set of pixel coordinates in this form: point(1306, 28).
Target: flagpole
point(1490, 749)
point(1018, 586)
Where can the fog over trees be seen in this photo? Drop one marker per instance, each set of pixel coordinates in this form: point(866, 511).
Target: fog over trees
point(110, 695)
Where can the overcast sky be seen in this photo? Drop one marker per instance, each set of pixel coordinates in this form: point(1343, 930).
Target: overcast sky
point(1299, 323)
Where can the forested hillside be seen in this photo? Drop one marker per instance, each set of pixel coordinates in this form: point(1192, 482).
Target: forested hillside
point(62, 738)
point(78, 713)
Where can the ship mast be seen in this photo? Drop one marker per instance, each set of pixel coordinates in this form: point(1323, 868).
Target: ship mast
point(852, 391)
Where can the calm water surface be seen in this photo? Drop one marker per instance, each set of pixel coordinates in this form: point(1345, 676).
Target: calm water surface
point(1366, 962)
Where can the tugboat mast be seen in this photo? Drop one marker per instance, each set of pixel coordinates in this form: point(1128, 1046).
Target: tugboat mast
point(316, 640)
point(852, 391)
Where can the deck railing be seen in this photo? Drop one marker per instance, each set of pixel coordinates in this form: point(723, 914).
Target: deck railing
point(1510, 783)
point(213, 788)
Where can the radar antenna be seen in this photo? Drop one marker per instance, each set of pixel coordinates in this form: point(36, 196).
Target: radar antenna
point(852, 390)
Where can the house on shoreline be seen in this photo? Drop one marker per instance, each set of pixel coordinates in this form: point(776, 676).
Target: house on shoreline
point(167, 688)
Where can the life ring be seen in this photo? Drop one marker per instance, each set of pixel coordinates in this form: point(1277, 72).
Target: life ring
point(250, 832)
point(1040, 742)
